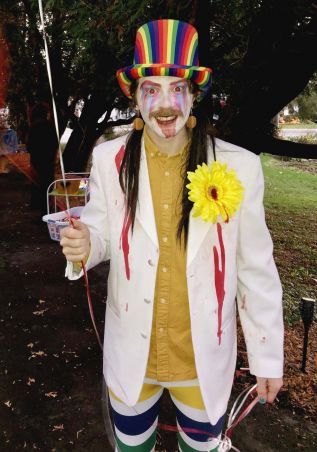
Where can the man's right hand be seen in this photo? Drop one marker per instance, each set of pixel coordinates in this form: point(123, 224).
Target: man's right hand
point(75, 242)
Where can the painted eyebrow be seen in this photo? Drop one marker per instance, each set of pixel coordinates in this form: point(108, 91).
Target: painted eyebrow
point(179, 82)
point(148, 83)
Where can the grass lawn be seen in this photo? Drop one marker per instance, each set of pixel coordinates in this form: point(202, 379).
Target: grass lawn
point(306, 125)
point(291, 213)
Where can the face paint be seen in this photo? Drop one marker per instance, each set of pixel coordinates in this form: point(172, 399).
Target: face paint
point(165, 103)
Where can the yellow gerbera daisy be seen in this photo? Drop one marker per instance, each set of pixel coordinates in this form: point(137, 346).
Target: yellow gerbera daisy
point(214, 191)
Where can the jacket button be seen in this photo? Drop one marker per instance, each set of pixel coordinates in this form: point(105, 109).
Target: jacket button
point(150, 262)
point(144, 335)
point(147, 300)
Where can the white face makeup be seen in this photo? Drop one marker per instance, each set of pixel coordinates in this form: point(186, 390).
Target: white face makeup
point(165, 103)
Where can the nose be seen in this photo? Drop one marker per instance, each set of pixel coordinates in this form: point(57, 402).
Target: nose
point(166, 98)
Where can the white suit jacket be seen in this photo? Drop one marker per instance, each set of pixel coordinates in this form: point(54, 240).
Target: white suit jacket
point(224, 261)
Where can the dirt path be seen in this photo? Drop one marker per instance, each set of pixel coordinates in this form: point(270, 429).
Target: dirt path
point(50, 372)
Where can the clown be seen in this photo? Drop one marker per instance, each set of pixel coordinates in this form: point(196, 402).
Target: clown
point(165, 104)
point(180, 216)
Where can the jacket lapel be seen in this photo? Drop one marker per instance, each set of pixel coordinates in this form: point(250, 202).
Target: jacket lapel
point(145, 211)
point(198, 228)
point(196, 233)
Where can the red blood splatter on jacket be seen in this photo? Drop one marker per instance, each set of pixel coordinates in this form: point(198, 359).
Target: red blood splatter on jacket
point(126, 222)
point(220, 278)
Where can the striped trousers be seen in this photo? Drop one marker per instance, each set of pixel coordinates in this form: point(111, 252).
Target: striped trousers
point(135, 427)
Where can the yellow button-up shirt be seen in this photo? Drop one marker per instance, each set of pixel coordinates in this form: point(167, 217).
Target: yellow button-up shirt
point(171, 355)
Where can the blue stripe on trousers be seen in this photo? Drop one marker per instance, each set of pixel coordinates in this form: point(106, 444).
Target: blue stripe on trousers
point(138, 424)
point(212, 431)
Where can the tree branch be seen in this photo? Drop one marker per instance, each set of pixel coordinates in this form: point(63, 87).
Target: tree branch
point(271, 145)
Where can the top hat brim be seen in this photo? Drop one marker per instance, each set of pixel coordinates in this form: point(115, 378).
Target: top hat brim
point(201, 76)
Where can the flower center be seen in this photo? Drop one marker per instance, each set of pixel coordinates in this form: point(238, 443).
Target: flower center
point(213, 193)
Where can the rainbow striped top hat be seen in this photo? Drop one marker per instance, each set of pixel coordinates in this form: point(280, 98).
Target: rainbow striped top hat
point(166, 47)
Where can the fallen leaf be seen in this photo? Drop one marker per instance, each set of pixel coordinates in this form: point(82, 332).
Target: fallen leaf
point(79, 431)
point(41, 301)
point(30, 381)
point(30, 345)
point(8, 403)
point(51, 394)
point(41, 312)
point(39, 353)
point(58, 427)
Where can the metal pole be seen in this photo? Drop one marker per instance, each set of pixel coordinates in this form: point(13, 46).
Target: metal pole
point(307, 306)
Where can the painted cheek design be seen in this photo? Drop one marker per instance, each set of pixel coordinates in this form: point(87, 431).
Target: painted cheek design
point(149, 98)
point(180, 97)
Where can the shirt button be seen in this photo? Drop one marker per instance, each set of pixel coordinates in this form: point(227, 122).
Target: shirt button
point(165, 206)
point(150, 262)
point(146, 300)
point(164, 269)
point(167, 173)
point(162, 300)
point(165, 239)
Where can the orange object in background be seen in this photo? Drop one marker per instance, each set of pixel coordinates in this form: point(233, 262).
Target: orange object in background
point(17, 162)
point(72, 186)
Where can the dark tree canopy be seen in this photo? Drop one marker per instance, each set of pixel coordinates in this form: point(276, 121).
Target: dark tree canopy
point(277, 65)
point(261, 51)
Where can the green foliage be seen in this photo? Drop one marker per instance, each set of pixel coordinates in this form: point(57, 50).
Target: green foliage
point(310, 138)
point(306, 102)
point(231, 26)
point(307, 106)
point(89, 41)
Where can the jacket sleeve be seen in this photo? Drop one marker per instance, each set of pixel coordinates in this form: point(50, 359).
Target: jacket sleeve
point(259, 294)
point(94, 215)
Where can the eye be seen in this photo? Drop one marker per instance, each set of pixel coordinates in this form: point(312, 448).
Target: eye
point(178, 89)
point(151, 91)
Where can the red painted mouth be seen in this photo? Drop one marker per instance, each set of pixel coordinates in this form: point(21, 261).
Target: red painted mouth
point(167, 124)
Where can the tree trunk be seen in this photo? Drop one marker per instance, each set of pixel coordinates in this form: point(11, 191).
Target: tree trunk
point(86, 132)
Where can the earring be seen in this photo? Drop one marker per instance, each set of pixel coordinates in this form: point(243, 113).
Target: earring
point(138, 122)
point(191, 121)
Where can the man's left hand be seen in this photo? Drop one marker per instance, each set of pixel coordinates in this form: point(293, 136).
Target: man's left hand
point(268, 388)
